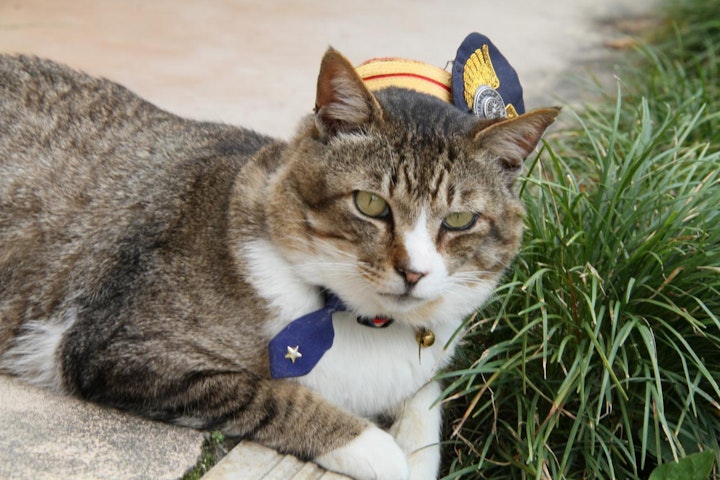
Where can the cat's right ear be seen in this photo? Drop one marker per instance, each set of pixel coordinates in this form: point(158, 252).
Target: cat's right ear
point(343, 102)
point(512, 140)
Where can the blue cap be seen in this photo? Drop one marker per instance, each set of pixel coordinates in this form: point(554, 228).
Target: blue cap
point(484, 82)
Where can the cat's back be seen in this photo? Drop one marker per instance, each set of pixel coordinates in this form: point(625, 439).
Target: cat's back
point(87, 168)
point(49, 111)
point(62, 130)
point(32, 84)
point(78, 146)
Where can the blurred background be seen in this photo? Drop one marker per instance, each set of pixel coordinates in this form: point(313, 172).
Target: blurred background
point(254, 62)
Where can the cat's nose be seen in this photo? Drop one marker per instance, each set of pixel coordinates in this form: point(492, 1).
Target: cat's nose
point(411, 276)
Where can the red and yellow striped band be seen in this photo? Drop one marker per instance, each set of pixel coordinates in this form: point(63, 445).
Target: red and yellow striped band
point(379, 73)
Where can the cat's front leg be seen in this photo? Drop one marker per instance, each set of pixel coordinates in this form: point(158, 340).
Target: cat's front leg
point(373, 455)
point(417, 431)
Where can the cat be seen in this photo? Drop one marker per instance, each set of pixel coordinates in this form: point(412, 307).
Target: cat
point(147, 261)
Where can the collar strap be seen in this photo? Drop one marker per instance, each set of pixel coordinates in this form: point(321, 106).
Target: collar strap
point(377, 322)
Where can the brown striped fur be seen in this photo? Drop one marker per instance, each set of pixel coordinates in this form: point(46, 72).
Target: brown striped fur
point(126, 224)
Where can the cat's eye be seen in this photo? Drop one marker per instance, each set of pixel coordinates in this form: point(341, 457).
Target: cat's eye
point(371, 204)
point(460, 220)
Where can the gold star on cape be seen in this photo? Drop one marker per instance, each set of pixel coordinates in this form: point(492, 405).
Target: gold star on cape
point(293, 353)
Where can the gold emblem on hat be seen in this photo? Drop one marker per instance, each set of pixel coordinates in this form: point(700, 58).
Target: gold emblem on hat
point(478, 75)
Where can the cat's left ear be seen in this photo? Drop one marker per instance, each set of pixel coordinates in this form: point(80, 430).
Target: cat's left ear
point(512, 140)
point(343, 102)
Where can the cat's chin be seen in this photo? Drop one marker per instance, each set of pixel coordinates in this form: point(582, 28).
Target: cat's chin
point(389, 305)
point(403, 306)
point(404, 302)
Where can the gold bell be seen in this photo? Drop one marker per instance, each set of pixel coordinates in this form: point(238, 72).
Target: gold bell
point(425, 338)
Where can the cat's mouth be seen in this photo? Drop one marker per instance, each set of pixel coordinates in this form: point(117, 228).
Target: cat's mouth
point(404, 299)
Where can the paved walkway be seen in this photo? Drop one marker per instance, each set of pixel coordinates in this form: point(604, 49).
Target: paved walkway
point(249, 461)
point(252, 62)
point(47, 436)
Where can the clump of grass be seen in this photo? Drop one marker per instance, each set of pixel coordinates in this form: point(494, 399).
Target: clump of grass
point(600, 357)
point(215, 446)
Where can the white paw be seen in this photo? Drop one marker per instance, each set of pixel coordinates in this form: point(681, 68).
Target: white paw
point(417, 432)
point(373, 455)
point(424, 463)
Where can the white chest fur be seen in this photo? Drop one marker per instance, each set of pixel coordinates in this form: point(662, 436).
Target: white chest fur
point(372, 370)
point(367, 370)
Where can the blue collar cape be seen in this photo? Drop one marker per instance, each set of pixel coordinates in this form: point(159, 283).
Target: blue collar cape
point(298, 347)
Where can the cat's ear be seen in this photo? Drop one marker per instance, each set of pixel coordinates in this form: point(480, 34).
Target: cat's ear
point(343, 102)
point(512, 140)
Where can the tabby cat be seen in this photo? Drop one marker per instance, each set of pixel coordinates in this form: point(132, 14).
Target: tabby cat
point(146, 261)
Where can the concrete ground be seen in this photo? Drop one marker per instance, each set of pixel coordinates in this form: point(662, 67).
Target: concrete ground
point(254, 63)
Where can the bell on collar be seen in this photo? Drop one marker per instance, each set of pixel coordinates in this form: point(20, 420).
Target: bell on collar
point(425, 337)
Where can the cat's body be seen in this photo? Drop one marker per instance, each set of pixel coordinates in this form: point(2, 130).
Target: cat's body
point(146, 261)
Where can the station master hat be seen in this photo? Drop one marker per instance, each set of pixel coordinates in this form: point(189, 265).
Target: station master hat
point(482, 81)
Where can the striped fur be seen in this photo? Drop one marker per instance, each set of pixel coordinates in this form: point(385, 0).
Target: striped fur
point(146, 260)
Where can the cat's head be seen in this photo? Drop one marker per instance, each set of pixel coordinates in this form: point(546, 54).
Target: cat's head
point(400, 203)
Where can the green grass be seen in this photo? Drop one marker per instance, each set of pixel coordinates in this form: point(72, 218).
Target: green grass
point(215, 446)
point(600, 356)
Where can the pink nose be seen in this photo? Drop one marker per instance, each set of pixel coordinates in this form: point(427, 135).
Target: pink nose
point(411, 277)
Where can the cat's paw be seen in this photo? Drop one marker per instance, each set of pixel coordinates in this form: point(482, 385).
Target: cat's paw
point(417, 432)
point(373, 455)
point(424, 463)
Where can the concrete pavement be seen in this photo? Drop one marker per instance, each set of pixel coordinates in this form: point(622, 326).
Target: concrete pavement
point(253, 63)
point(47, 436)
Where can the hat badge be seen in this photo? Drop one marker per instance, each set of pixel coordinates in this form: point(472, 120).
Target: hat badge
point(483, 82)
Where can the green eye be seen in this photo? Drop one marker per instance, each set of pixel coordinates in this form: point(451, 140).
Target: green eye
point(371, 204)
point(459, 220)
